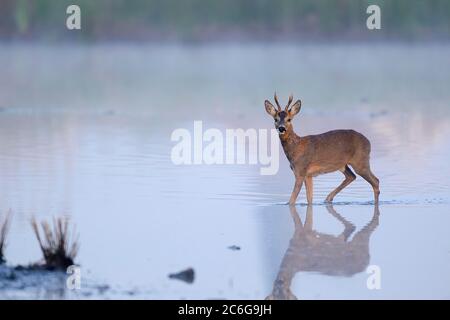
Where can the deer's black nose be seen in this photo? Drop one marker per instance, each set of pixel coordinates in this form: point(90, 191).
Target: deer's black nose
point(281, 129)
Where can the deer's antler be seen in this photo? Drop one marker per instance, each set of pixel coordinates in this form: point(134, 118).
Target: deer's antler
point(291, 97)
point(276, 101)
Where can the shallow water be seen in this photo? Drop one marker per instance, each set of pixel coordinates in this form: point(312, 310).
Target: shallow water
point(85, 132)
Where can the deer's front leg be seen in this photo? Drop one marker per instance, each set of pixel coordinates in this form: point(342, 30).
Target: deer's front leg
point(297, 187)
point(309, 189)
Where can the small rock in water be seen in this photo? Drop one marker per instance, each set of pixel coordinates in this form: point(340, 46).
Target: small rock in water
point(103, 288)
point(234, 247)
point(185, 275)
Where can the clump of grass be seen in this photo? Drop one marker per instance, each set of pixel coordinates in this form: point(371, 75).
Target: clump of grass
point(59, 246)
point(4, 228)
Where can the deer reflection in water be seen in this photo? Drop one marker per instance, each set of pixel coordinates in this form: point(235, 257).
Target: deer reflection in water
point(327, 254)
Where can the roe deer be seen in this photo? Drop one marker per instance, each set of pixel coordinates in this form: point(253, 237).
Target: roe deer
point(313, 251)
point(313, 155)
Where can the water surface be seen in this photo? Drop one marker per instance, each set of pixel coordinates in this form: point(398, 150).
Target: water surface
point(85, 132)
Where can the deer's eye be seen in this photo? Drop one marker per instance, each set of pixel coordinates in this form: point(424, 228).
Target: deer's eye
point(289, 120)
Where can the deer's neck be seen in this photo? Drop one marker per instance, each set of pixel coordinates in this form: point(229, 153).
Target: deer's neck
point(290, 142)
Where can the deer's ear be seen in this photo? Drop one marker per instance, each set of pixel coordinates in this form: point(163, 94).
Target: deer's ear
point(295, 108)
point(270, 108)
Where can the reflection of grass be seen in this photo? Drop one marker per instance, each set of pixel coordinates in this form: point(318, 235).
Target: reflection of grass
point(57, 247)
point(4, 228)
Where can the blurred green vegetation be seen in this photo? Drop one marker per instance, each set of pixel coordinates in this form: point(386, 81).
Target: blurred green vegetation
point(216, 19)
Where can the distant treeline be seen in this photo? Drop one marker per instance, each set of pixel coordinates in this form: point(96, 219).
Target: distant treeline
point(224, 19)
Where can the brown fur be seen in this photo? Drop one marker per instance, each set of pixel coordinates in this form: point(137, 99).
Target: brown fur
point(313, 155)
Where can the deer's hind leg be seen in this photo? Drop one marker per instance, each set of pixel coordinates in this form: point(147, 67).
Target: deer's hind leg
point(349, 178)
point(363, 169)
point(373, 180)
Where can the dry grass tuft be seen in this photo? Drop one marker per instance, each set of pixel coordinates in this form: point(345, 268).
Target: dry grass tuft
point(4, 228)
point(59, 246)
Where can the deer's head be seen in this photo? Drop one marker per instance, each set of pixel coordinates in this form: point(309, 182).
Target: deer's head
point(283, 118)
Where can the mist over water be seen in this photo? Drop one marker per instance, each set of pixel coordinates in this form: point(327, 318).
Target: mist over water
point(85, 132)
